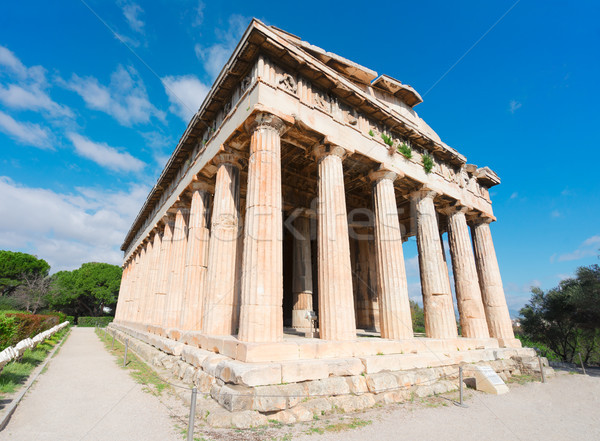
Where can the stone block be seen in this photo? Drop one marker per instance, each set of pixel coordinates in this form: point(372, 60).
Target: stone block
point(327, 387)
point(381, 382)
point(266, 352)
point(193, 355)
point(210, 363)
point(248, 374)
point(248, 419)
point(487, 380)
point(340, 367)
point(191, 338)
point(317, 405)
point(203, 381)
point(357, 384)
point(219, 419)
point(301, 413)
point(233, 397)
point(296, 371)
point(351, 403)
point(269, 398)
point(397, 396)
point(283, 417)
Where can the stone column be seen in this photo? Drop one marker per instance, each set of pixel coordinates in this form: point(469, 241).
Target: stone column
point(196, 262)
point(152, 279)
point(336, 299)
point(217, 313)
point(135, 298)
point(176, 285)
point(261, 311)
point(164, 270)
point(435, 284)
point(122, 293)
point(143, 294)
point(466, 282)
point(394, 307)
point(302, 287)
point(363, 306)
point(494, 301)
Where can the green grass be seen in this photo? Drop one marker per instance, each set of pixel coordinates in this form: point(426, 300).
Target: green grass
point(355, 423)
point(16, 373)
point(137, 368)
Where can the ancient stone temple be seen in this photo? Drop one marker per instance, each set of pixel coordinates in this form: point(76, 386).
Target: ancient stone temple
point(274, 236)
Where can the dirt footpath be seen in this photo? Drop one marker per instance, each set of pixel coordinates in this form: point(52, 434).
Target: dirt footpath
point(85, 396)
point(565, 408)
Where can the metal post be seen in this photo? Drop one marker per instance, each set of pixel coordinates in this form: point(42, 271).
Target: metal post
point(541, 369)
point(582, 366)
point(190, 435)
point(461, 384)
point(125, 355)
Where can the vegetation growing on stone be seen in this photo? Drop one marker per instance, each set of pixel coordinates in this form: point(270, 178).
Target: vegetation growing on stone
point(387, 139)
point(405, 150)
point(427, 162)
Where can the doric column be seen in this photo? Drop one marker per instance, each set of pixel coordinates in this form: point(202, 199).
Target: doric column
point(144, 281)
point(196, 262)
point(152, 278)
point(176, 285)
point(435, 284)
point(302, 287)
point(364, 304)
point(164, 270)
point(122, 292)
point(466, 282)
point(217, 313)
point(336, 299)
point(135, 295)
point(261, 312)
point(394, 307)
point(494, 301)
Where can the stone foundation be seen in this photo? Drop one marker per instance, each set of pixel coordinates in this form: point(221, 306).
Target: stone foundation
point(337, 378)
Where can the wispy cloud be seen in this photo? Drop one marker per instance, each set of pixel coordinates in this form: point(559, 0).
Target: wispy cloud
point(25, 132)
point(214, 57)
point(515, 195)
point(125, 98)
point(514, 106)
point(132, 12)
point(104, 155)
point(588, 248)
point(186, 94)
point(199, 19)
point(555, 214)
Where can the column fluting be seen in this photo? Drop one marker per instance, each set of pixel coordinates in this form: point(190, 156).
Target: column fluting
point(164, 270)
point(302, 286)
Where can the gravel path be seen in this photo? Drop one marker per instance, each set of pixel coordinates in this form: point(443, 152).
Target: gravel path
point(565, 408)
point(85, 396)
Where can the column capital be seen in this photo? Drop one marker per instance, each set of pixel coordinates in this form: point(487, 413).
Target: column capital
point(227, 158)
point(198, 185)
point(262, 120)
point(382, 173)
point(482, 219)
point(423, 193)
point(322, 150)
point(453, 209)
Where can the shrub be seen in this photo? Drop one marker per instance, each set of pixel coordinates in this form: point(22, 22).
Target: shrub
point(70, 319)
point(427, 162)
point(371, 133)
point(387, 139)
point(405, 150)
point(93, 321)
point(15, 327)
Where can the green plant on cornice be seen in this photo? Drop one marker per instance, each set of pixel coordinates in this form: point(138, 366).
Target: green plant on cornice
point(427, 162)
point(405, 150)
point(371, 133)
point(387, 139)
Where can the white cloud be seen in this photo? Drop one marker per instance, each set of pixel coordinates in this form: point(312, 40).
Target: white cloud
point(132, 12)
point(514, 106)
point(105, 155)
point(214, 57)
point(25, 132)
point(125, 99)
point(555, 213)
point(588, 248)
point(186, 94)
point(26, 87)
point(515, 195)
point(199, 14)
point(67, 229)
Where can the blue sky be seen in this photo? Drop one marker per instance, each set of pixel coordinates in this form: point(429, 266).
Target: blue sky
point(86, 123)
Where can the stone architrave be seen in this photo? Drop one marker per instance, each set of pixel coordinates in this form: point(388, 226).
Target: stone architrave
point(302, 287)
point(196, 262)
point(176, 286)
point(164, 270)
point(468, 294)
point(336, 298)
point(394, 306)
point(261, 312)
point(492, 291)
point(219, 298)
point(435, 283)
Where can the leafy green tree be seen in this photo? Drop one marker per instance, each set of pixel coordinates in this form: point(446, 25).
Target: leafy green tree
point(418, 317)
point(15, 267)
point(567, 318)
point(86, 291)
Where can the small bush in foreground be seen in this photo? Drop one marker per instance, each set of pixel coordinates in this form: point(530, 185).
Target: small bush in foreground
point(86, 322)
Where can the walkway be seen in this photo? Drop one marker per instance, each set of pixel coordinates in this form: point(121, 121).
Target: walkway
point(84, 395)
